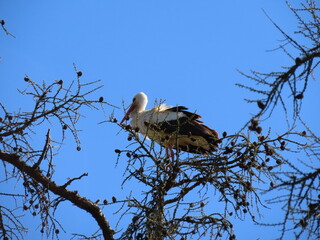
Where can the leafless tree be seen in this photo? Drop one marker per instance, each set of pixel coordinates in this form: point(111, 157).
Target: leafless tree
point(32, 166)
point(229, 178)
point(243, 163)
point(298, 186)
point(180, 198)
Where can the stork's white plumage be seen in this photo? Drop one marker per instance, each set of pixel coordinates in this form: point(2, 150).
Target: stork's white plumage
point(172, 127)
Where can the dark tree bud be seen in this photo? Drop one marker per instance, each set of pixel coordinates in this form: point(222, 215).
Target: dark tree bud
point(270, 151)
point(129, 138)
point(259, 129)
point(117, 151)
point(34, 214)
point(278, 161)
point(3, 22)
point(232, 237)
point(227, 150)
point(105, 202)
point(79, 74)
point(303, 133)
point(78, 148)
point(101, 99)
point(298, 61)
point(254, 122)
point(65, 127)
point(128, 154)
point(303, 223)
point(224, 134)
point(60, 82)
point(27, 79)
point(114, 120)
point(252, 128)
point(299, 96)
point(25, 207)
point(261, 105)
point(135, 219)
point(114, 199)
point(57, 231)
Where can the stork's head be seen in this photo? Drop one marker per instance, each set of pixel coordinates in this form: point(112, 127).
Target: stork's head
point(139, 103)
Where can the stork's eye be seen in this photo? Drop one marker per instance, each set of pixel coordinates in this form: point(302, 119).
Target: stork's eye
point(134, 99)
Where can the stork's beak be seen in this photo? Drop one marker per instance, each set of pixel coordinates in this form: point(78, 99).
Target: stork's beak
point(127, 116)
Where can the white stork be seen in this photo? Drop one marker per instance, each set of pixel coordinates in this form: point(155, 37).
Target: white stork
point(171, 127)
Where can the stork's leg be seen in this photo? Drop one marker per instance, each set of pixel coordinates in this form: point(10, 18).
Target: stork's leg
point(170, 152)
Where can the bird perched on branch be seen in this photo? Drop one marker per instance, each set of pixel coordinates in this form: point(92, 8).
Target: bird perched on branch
point(171, 127)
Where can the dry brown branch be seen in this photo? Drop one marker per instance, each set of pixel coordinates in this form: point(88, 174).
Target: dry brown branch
point(230, 176)
point(297, 186)
point(5, 29)
point(22, 160)
point(61, 191)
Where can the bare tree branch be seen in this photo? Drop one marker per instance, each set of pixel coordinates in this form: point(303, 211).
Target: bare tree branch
point(5, 29)
point(72, 196)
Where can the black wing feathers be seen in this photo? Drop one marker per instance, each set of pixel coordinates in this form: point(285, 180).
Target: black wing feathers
point(188, 125)
point(190, 115)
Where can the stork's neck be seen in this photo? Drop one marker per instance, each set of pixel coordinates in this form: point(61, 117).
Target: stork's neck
point(140, 108)
point(141, 104)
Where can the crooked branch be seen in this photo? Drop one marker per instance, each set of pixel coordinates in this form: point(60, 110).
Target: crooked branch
point(61, 191)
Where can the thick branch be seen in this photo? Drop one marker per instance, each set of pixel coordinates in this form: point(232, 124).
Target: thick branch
point(61, 191)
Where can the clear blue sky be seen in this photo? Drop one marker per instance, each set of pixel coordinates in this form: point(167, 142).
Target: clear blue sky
point(185, 52)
